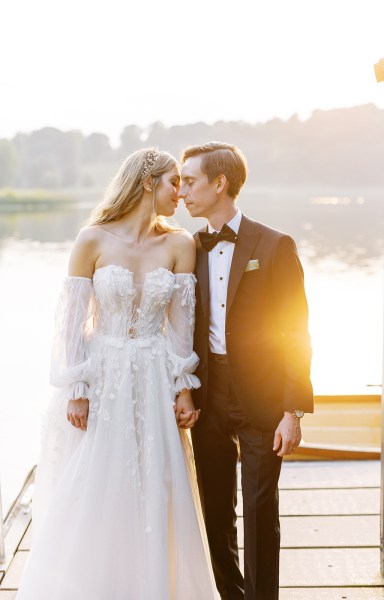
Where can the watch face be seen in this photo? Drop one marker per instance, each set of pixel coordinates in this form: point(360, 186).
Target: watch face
point(299, 413)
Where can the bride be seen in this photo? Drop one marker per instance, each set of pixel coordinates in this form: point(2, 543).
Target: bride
point(116, 514)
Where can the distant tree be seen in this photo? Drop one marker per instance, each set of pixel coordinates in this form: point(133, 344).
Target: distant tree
point(49, 155)
point(336, 147)
point(158, 135)
point(8, 163)
point(97, 148)
point(71, 153)
point(181, 136)
point(42, 173)
point(131, 139)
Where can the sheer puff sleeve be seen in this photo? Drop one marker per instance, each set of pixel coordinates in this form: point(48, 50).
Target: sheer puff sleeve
point(70, 363)
point(179, 329)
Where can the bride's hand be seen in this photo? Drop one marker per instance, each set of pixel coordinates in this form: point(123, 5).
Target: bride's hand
point(186, 415)
point(77, 413)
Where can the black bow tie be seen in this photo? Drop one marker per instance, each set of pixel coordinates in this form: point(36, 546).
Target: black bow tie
point(209, 240)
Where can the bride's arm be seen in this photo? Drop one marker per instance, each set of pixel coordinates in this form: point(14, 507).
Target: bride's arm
point(70, 365)
point(180, 326)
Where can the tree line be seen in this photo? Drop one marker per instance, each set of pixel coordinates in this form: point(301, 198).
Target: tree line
point(339, 147)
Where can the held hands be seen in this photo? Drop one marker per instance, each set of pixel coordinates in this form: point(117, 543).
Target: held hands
point(77, 413)
point(287, 435)
point(185, 413)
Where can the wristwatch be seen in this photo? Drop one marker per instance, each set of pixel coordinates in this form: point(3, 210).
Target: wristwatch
point(298, 413)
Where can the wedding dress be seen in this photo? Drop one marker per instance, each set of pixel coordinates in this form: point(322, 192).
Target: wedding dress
point(116, 513)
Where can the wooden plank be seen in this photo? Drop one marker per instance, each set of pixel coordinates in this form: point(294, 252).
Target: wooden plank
point(332, 593)
point(330, 567)
point(330, 502)
point(325, 502)
point(327, 474)
point(14, 572)
point(327, 568)
point(26, 541)
point(317, 532)
point(335, 474)
point(345, 531)
point(18, 527)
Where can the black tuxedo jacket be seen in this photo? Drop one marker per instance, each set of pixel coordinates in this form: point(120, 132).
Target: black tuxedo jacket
point(267, 339)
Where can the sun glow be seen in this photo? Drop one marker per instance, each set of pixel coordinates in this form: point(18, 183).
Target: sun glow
point(347, 343)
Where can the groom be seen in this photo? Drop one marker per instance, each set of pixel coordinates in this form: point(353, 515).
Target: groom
point(254, 348)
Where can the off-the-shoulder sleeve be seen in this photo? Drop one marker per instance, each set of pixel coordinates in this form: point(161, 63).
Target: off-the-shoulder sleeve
point(179, 329)
point(70, 362)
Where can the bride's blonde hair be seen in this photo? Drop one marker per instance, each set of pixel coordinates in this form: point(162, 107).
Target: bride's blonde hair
point(126, 188)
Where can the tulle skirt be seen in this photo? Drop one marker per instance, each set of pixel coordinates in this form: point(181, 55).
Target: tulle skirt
point(116, 513)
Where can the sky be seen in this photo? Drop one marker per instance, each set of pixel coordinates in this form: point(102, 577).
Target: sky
point(100, 66)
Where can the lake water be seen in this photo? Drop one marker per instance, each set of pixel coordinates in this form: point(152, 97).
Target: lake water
point(341, 245)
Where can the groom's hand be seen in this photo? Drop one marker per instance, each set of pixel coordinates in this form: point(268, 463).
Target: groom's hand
point(287, 435)
point(185, 413)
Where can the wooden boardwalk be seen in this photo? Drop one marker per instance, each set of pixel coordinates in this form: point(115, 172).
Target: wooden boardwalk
point(330, 522)
point(330, 533)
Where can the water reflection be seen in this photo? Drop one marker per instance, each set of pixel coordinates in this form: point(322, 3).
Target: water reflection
point(57, 226)
point(321, 220)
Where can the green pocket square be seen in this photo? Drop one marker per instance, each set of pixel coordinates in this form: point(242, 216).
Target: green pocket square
point(252, 265)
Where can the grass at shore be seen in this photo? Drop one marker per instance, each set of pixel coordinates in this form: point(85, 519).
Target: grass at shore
point(33, 195)
point(15, 200)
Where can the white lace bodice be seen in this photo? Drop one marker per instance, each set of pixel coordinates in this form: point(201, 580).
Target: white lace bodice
point(113, 306)
point(126, 309)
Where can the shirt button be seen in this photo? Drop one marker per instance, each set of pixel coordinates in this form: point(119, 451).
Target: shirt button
point(221, 252)
point(223, 305)
point(221, 279)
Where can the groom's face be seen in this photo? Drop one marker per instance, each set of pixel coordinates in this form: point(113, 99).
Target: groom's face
point(198, 193)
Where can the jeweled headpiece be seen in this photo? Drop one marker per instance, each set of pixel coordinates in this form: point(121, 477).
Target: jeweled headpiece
point(149, 161)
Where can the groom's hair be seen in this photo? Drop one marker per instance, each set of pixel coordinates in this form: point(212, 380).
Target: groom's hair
point(218, 158)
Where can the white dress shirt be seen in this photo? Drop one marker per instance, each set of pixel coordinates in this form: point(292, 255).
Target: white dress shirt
point(219, 264)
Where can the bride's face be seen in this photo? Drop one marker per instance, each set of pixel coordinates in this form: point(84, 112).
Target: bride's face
point(167, 192)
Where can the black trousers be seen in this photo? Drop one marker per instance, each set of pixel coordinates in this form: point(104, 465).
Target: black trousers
point(217, 439)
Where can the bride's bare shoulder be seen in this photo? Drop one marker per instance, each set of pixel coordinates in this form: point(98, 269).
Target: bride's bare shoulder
point(181, 238)
point(90, 238)
point(184, 251)
point(85, 252)
point(89, 234)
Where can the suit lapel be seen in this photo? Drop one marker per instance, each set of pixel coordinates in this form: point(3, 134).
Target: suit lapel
point(202, 273)
point(247, 241)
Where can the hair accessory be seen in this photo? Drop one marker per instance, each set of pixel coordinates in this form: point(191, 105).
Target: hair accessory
point(149, 161)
